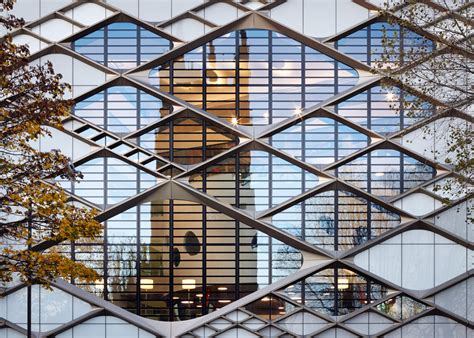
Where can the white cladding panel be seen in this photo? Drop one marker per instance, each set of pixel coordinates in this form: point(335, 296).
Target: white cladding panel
point(128, 6)
point(55, 29)
point(49, 6)
point(290, 14)
point(434, 140)
point(81, 76)
point(369, 323)
point(424, 256)
point(178, 7)
point(456, 220)
point(220, 13)
point(154, 10)
point(349, 14)
point(27, 9)
point(33, 43)
point(69, 146)
point(105, 327)
point(50, 308)
point(34, 9)
point(418, 204)
point(10, 333)
point(432, 326)
point(186, 29)
point(88, 13)
point(319, 18)
point(458, 299)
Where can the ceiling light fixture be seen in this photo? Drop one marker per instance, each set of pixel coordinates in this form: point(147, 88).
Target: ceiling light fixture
point(189, 284)
point(146, 284)
point(342, 283)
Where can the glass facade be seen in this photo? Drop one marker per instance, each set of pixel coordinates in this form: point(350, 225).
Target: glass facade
point(254, 180)
point(386, 172)
point(187, 140)
point(367, 45)
point(122, 109)
point(176, 260)
point(253, 77)
point(335, 291)
point(122, 45)
point(401, 307)
point(320, 141)
point(253, 177)
point(108, 180)
point(336, 220)
point(385, 109)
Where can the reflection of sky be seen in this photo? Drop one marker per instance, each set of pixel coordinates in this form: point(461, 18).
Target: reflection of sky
point(255, 179)
point(356, 43)
point(320, 140)
point(384, 109)
point(255, 186)
point(285, 68)
point(385, 171)
point(122, 112)
point(122, 181)
point(122, 45)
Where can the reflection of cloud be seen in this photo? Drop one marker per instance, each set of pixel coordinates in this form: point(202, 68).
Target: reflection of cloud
point(121, 65)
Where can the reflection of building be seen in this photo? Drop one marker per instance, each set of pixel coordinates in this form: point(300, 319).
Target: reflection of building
point(201, 281)
point(187, 243)
point(218, 82)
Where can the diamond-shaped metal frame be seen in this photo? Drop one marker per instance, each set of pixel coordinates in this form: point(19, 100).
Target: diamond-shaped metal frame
point(176, 187)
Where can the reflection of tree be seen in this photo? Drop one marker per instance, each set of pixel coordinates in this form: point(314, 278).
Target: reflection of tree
point(439, 68)
point(285, 260)
point(122, 259)
point(317, 301)
point(400, 173)
point(355, 219)
point(333, 295)
point(320, 219)
point(117, 268)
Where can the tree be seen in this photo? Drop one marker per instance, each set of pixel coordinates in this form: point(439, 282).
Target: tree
point(437, 60)
point(35, 210)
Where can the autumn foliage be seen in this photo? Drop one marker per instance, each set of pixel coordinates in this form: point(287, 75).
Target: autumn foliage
point(35, 212)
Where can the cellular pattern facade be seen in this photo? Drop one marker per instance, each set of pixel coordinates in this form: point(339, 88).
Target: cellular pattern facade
point(255, 176)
